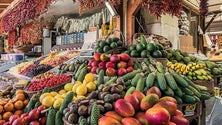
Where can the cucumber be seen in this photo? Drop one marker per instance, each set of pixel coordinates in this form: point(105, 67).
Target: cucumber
point(113, 79)
point(156, 84)
point(197, 99)
point(169, 92)
point(37, 104)
point(107, 79)
point(187, 91)
point(31, 103)
point(101, 77)
point(170, 81)
point(130, 75)
point(58, 118)
point(46, 89)
point(130, 90)
point(82, 74)
point(66, 101)
point(191, 84)
point(128, 83)
point(95, 114)
point(196, 92)
point(83, 122)
point(78, 71)
point(179, 92)
point(136, 79)
point(51, 117)
point(140, 85)
point(180, 81)
point(161, 81)
point(188, 99)
point(150, 79)
point(205, 96)
point(179, 100)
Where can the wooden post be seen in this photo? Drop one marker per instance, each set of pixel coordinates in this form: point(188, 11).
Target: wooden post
point(133, 6)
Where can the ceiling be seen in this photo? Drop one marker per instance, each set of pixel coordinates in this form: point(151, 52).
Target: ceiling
point(215, 10)
point(4, 4)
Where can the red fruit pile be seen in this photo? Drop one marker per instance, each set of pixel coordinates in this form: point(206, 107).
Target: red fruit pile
point(34, 117)
point(114, 65)
point(138, 109)
point(48, 82)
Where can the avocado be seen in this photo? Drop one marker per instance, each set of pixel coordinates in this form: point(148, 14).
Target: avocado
point(115, 39)
point(119, 43)
point(215, 71)
point(186, 60)
point(113, 45)
point(143, 40)
point(99, 50)
point(139, 47)
point(169, 55)
point(108, 41)
point(159, 46)
point(185, 54)
point(179, 57)
point(150, 47)
point(102, 44)
point(157, 54)
point(106, 48)
point(144, 54)
point(127, 52)
point(134, 53)
point(132, 47)
point(164, 53)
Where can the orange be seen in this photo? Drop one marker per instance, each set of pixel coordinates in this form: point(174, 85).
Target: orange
point(26, 102)
point(1, 109)
point(18, 112)
point(19, 105)
point(7, 115)
point(20, 92)
point(20, 97)
point(9, 107)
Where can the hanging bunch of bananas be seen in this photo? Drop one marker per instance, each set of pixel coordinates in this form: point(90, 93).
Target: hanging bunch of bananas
point(180, 68)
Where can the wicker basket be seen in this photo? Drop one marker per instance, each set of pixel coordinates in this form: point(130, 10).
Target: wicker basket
point(208, 84)
point(55, 88)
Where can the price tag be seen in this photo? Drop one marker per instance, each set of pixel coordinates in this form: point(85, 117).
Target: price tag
point(190, 110)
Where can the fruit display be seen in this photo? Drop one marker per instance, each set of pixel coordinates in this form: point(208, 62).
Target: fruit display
point(104, 46)
point(72, 66)
point(177, 56)
point(34, 117)
point(12, 106)
point(216, 69)
point(169, 83)
point(7, 80)
point(7, 92)
point(44, 75)
point(114, 65)
point(20, 67)
point(140, 109)
point(35, 70)
point(96, 103)
point(47, 82)
point(145, 49)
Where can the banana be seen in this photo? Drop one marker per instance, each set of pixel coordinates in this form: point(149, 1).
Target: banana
point(169, 64)
point(203, 72)
point(199, 73)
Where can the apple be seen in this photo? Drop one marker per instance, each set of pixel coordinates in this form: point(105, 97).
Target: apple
point(34, 123)
point(129, 69)
point(95, 63)
point(102, 65)
point(110, 65)
point(130, 63)
point(18, 121)
point(24, 115)
point(122, 64)
point(97, 56)
point(110, 72)
point(41, 108)
point(93, 70)
point(34, 114)
point(124, 57)
point(121, 71)
point(13, 118)
point(114, 58)
point(42, 120)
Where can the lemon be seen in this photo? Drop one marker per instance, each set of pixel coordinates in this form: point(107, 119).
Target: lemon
point(48, 101)
point(68, 86)
point(89, 77)
point(58, 96)
point(43, 96)
point(75, 86)
point(91, 86)
point(62, 91)
point(53, 93)
point(81, 90)
point(84, 82)
point(57, 103)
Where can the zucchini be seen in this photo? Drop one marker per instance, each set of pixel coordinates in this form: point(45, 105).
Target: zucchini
point(51, 117)
point(136, 79)
point(140, 85)
point(180, 81)
point(150, 79)
point(170, 81)
point(161, 81)
point(66, 101)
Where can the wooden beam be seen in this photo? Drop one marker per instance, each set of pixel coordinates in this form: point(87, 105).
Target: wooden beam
point(133, 6)
point(211, 20)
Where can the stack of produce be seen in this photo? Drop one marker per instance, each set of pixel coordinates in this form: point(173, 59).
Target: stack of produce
point(47, 82)
point(44, 75)
point(98, 102)
point(170, 84)
point(72, 66)
point(114, 65)
point(7, 92)
point(145, 49)
point(104, 46)
point(216, 69)
point(10, 106)
point(138, 109)
point(177, 56)
point(20, 67)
